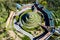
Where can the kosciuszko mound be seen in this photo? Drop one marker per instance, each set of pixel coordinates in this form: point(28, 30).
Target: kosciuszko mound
point(31, 21)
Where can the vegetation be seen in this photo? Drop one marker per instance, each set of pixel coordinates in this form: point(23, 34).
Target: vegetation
point(25, 38)
point(7, 5)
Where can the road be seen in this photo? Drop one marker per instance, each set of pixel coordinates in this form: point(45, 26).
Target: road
point(18, 28)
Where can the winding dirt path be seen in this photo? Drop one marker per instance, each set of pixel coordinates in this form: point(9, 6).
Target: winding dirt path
point(11, 32)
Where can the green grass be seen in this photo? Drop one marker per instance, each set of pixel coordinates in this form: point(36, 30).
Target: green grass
point(25, 38)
